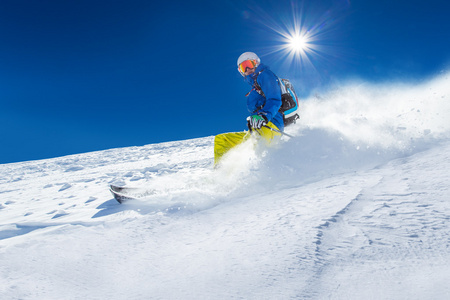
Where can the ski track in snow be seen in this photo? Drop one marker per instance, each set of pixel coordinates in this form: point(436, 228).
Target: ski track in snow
point(397, 231)
point(355, 207)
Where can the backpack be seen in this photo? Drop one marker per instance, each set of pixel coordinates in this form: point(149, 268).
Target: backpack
point(289, 100)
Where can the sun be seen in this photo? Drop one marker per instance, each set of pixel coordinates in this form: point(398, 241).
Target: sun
point(298, 43)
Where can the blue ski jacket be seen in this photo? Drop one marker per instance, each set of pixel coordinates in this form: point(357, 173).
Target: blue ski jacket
point(267, 102)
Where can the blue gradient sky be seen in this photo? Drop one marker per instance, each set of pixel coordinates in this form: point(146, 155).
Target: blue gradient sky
point(79, 76)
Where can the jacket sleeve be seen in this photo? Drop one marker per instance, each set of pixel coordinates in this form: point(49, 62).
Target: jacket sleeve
point(271, 89)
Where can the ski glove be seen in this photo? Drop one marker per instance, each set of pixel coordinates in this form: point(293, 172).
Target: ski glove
point(256, 121)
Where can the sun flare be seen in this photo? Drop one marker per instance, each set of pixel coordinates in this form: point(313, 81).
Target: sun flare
point(300, 42)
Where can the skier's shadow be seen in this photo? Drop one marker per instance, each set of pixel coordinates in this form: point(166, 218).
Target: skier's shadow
point(111, 207)
point(107, 208)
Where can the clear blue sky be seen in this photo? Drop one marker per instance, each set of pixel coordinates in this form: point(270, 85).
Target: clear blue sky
point(84, 75)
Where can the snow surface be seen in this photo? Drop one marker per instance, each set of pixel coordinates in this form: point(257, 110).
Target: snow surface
point(355, 207)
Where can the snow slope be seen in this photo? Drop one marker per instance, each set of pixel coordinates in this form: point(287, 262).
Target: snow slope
point(355, 207)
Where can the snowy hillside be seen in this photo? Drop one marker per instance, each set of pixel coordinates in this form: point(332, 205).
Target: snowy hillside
point(356, 206)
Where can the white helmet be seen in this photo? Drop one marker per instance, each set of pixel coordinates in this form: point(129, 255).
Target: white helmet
point(248, 56)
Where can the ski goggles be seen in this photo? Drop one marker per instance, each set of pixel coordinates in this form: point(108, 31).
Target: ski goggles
point(250, 64)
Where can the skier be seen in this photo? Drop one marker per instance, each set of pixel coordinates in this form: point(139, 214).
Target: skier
point(263, 103)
